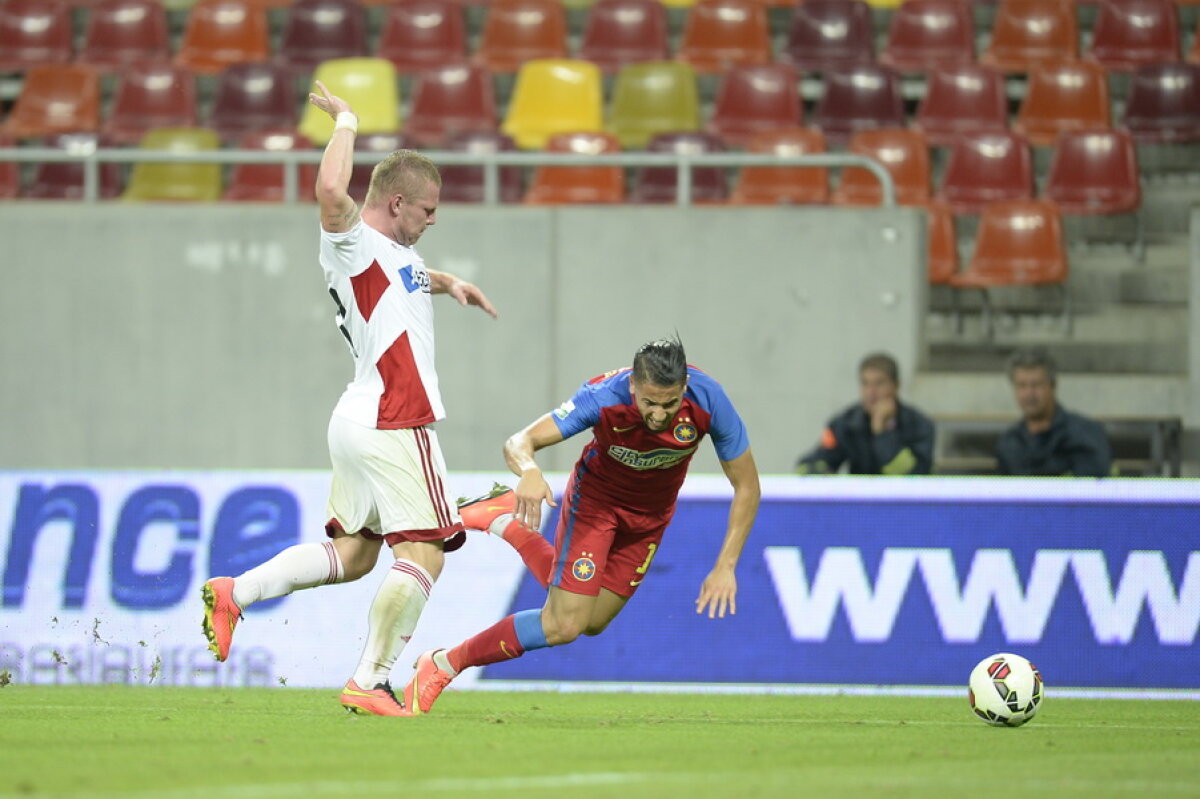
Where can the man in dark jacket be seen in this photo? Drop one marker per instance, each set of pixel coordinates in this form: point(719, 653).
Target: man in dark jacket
point(1049, 440)
point(878, 435)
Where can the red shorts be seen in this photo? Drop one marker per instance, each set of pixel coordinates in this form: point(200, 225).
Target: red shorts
point(598, 545)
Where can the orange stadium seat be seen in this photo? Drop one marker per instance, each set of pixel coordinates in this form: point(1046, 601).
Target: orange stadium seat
point(423, 34)
point(457, 98)
point(984, 168)
point(1164, 104)
point(719, 34)
point(620, 32)
point(1029, 34)
point(315, 31)
point(146, 97)
point(516, 31)
point(755, 98)
point(941, 244)
point(553, 95)
point(1069, 96)
point(783, 185)
point(560, 185)
point(55, 98)
point(176, 181)
point(125, 33)
point(652, 98)
point(252, 97)
point(858, 98)
point(829, 34)
point(467, 184)
point(925, 34)
point(905, 155)
point(962, 99)
point(219, 33)
point(660, 184)
point(1131, 33)
point(61, 180)
point(33, 33)
point(264, 183)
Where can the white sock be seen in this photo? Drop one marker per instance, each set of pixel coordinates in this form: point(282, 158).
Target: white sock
point(300, 566)
point(441, 659)
point(393, 617)
point(497, 526)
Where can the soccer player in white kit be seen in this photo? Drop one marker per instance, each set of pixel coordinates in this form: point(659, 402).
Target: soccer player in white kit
point(389, 478)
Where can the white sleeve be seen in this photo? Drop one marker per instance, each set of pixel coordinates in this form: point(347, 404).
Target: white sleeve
point(341, 252)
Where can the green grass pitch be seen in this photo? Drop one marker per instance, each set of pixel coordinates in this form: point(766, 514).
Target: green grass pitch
point(177, 743)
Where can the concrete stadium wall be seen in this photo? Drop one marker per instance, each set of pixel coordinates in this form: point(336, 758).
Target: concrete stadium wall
point(202, 337)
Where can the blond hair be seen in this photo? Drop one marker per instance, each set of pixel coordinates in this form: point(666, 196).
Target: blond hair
point(403, 172)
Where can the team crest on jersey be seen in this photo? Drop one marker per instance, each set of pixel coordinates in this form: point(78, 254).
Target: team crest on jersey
point(685, 433)
point(584, 568)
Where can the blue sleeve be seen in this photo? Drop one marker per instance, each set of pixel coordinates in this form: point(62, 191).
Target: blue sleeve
point(580, 412)
point(727, 429)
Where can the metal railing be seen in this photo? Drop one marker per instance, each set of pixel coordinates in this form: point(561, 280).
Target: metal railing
point(292, 160)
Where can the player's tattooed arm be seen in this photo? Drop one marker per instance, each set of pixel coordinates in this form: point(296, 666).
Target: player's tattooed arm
point(339, 212)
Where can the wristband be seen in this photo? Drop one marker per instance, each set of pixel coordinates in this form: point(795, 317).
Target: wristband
point(346, 120)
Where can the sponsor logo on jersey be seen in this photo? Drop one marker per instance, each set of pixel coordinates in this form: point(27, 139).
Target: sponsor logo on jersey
point(584, 569)
point(654, 459)
point(414, 279)
point(564, 410)
point(685, 433)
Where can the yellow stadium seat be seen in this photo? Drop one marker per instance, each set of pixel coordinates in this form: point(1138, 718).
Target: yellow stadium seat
point(553, 95)
point(368, 84)
point(651, 98)
point(176, 181)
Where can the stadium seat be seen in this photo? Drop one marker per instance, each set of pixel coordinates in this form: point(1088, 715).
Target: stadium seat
point(1019, 243)
point(162, 96)
point(783, 185)
point(1030, 34)
point(467, 184)
point(659, 184)
point(719, 34)
point(264, 183)
point(905, 155)
point(553, 95)
point(423, 34)
point(315, 31)
point(961, 99)
point(652, 98)
point(164, 181)
point(560, 185)
point(516, 31)
point(755, 98)
point(458, 98)
point(35, 33)
point(125, 33)
point(55, 98)
point(984, 168)
point(367, 84)
point(1164, 104)
point(858, 98)
point(925, 34)
point(1193, 55)
point(1128, 34)
point(219, 33)
point(62, 180)
point(941, 244)
point(379, 143)
point(252, 97)
point(829, 34)
point(620, 32)
point(10, 174)
point(1068, 96)
point(1095, 173)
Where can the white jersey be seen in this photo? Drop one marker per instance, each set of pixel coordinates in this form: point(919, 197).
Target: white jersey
point(385, 311)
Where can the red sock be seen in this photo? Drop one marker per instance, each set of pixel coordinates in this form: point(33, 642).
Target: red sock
point(496, 643)
point(536, 551)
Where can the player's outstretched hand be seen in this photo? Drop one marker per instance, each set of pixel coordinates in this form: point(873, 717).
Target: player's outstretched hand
point(470, 294)
point(329, 103)
point(531, 491)
point(718, 593)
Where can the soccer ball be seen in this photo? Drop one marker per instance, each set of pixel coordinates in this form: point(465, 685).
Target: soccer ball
point(1005, 690)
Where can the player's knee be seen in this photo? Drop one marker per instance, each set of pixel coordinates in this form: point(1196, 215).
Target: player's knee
point(561, 631)
point(596, 627)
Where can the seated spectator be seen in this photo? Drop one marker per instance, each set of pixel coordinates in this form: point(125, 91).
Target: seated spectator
point(1049, 440)
point(879, 434)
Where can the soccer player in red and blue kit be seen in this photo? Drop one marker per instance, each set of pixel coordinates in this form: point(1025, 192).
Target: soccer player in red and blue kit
point(646, 424)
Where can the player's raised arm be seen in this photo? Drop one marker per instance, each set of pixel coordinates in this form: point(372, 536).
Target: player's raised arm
point(532, 489)
point(718, 592)
point(339, 212)
point(463, 292)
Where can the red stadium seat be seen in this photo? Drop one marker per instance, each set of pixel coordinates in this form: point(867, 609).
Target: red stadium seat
point(1164, 104)
point(264, 183)
point(162, 96)
point(467, 184)
point(829, 34)
point(719, 34)
point(517, 31)
point(1131, 33)
point(963, 99)
point(220, 33)
point(984, 168)
point(379, 143)
point(941, 245)
point(1094, 172)
point(252, 97)
point(904, 153)
point(1063, 97)
point(783, 185)
point(35, 33)
point(423, 34)
point(657, 184)
point(860, 98)
point(125, 33)
point(55, 98)
point(10, 174)
point(448, 100)
point(60, 180)
point(1030, 34)
point(620, 32)
point(926, 34)
point(753, 99)
point(562, 185)
point(321, 30)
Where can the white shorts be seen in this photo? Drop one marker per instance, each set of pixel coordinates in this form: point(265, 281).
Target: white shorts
point(389, 483)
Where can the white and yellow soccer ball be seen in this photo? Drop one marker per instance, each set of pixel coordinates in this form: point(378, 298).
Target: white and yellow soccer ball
point(1005, 690)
